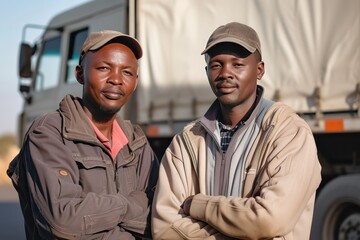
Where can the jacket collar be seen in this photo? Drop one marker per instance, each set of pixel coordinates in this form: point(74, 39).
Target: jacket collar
point(76, 125)
point(75, 122)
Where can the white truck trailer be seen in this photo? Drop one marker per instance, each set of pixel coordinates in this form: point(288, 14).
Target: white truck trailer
point(311, 50)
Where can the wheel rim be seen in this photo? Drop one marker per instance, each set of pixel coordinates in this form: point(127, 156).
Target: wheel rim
point(342, 222)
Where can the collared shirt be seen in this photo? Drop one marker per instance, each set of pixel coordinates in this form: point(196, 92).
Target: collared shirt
point(226, 133)
point(118, 137)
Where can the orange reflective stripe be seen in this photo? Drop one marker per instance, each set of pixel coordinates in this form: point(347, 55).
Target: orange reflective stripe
point(334, 125)
point(152, 131)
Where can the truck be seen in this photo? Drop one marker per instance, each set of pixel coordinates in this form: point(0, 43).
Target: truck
point(312, 60)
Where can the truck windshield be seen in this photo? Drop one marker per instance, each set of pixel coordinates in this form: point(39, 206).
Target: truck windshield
point(76, 40)
point(49, 65)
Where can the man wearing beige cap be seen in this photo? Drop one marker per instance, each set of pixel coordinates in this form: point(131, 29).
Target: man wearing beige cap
point(248, 169)
point(84, 173)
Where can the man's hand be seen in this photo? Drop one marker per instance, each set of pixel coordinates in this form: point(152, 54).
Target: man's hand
point(187, 204)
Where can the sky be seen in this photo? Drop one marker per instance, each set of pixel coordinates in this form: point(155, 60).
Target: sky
point(15, 15)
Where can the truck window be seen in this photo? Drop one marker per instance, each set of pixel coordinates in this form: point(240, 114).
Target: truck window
point(49, 65)
point(76, 40)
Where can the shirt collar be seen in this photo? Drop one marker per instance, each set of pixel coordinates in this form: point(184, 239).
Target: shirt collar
point(118, 137)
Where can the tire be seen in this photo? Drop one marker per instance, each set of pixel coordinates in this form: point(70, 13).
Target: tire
point(337, 210)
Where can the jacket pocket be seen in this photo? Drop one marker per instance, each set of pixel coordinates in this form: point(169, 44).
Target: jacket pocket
point(95, 175)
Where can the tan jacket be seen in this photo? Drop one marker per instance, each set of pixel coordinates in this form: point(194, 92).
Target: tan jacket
point(282, 173)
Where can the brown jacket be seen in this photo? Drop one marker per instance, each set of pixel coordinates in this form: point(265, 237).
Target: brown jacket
point(69, 186)
point(280, 177)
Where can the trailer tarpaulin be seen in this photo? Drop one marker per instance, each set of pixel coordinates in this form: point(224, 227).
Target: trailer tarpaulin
point(310, 49)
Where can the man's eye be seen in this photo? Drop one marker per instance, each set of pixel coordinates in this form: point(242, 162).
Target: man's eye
point(215, 66)
point(128, 73)
point(103, 68)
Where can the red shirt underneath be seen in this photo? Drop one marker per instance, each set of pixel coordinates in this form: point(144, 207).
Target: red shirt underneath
point(118, 137)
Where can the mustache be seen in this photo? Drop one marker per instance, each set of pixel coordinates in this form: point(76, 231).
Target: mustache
point(225, 83)
point(114, 89)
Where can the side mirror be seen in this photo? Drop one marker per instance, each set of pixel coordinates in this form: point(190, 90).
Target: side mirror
point(26, 52)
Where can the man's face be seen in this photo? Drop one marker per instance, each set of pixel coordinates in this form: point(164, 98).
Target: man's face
point(232, 73)
point(110, 76)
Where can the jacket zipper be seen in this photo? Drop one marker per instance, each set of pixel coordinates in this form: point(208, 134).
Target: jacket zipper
point(223, 156)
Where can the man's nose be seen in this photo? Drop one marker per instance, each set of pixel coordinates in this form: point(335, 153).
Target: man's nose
point(226, 72)
point(116, 78)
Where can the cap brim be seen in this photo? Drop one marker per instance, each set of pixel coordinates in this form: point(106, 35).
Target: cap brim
point(229, 40)
point(124, 39)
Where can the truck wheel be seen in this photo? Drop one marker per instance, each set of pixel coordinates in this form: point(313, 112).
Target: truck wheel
point(337, 210)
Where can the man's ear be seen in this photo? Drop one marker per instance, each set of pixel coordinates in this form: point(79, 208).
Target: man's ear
point(79, 74)
point(260, 70)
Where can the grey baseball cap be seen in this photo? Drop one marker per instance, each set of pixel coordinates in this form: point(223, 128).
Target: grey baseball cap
point(237, 33)
point(96, 40)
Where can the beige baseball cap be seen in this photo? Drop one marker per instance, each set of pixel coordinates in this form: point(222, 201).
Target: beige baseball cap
point(96, 40)
point(237, 33)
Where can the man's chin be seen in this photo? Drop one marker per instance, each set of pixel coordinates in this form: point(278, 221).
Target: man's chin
point(227, 101)
point(109, 111)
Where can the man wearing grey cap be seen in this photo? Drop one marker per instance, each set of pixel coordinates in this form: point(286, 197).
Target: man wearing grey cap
point(84, 173)
point(248, 169)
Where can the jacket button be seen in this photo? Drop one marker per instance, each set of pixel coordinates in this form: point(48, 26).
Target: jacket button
point(63, 172)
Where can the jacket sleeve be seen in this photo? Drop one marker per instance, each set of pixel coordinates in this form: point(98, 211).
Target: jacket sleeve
point(57, 200)
point(138, 219)
point(177, 180)
point(287, 188)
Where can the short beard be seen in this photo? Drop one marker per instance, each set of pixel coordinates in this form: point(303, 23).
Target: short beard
point(104, 114)
point(99, 112)
point(108, 111)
